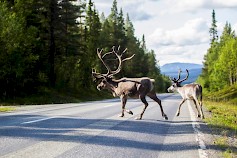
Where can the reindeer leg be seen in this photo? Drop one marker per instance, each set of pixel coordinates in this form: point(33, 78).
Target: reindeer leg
point(123, 101)
point(202, 115)
point(143, 99)
point(154, 97)
point(129, 111)
point(196, 102)
point(181, 103)
point(200, 105)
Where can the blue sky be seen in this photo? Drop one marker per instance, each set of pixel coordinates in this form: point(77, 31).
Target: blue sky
point(177, 30)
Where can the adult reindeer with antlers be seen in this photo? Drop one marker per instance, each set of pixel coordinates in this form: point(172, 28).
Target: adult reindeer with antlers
point(126, 87)
point(191, 91)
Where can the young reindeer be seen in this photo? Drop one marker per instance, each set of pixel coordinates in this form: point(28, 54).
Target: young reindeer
point(126, 87)
point(191, 91)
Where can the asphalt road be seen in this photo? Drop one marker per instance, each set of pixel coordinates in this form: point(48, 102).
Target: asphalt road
point(94, 130)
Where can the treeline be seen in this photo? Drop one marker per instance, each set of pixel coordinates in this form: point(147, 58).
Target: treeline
point(220, 65)
point(52, 44)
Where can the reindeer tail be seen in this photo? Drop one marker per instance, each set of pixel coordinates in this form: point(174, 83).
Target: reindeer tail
point(152, 80)
point(152, 84)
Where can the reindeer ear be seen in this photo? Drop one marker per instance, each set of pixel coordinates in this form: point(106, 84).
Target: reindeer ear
point(172, 79)
point(110, 76)
point(96, 76)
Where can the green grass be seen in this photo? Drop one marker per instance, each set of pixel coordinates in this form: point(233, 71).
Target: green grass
point(223, 122)
point(223, 115)
point(51, 96)
point(228, 94)
point(222, 106)
point(6, 109)
point(229, 154)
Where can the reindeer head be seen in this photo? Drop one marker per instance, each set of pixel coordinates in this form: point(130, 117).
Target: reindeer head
point(105, 79)
point(177, 82)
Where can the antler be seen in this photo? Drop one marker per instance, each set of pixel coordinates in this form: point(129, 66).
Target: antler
point(179, 74)
point(174, 79)
point(110, 73)
point(185, 77)
point(178, 80)
point(99, 53)
point(119, 59)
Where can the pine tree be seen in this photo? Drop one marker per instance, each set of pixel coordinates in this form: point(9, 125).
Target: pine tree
point(18, 60)
point(93, 27)
point(213, 29)
point(113, 21)
point(212, 54)
point(68, 14)
point(143, 43)
point(221, 59)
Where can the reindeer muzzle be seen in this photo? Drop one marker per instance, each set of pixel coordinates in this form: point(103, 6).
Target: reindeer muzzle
point(99, 88)
point(170, 90)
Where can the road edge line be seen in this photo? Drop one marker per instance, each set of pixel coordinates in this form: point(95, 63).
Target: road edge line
point(199, 135)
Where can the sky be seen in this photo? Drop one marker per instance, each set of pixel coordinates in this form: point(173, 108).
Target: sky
point(177, 30)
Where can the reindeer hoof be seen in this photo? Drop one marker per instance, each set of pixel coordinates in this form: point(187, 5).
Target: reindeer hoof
point(130, 112)
point(122, 115)
point(177, 114)
point(198, 115)
point(138, 118)
point(165, 117)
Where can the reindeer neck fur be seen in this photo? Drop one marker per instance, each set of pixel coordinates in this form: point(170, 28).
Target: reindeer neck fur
point(112, 86)
point(186, 91)
point(122, 86)
point(180, 90)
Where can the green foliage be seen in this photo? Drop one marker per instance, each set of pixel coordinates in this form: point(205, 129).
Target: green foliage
point(52, 44)
point(213, 29)
point(220, 65)
point(17, 60)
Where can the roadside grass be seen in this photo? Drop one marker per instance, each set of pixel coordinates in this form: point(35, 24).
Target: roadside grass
point(223, 122)
point(227, 94)
point(52, 96)
point(7, 108)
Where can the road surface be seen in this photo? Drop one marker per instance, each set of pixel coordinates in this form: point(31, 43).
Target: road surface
point(94, 130)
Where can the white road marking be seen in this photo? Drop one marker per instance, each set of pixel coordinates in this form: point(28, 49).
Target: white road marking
point(106, 106)
point(33, 121)
point(199, 134)
point(54, 148)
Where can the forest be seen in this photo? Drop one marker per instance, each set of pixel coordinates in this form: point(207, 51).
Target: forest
point(51, 46)
point(220, 61)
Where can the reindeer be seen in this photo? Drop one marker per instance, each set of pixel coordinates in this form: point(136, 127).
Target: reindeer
point(126, 87)
point(191, 91)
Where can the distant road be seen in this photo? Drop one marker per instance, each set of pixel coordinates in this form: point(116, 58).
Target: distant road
point(94, 130)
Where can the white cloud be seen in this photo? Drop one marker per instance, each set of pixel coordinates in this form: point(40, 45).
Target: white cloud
point(193, 32)
point(185, 44)
point(136, 9)
point(194, 6)
point(234, 27)
point(177, 30)
point(224, 4)
point(187, 54)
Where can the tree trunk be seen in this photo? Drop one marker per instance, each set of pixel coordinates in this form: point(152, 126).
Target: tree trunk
point(52, 44)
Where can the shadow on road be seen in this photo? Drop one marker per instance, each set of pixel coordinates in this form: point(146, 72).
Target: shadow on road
point(76, 130)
